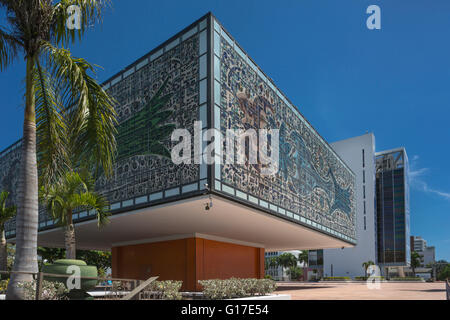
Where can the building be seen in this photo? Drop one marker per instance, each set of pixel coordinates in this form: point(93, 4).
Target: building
point(418, 244)
point(392, 201)
point(315, 265)
point(199, 220)
point(428, 254)
point(381, 188)
point(359, 154)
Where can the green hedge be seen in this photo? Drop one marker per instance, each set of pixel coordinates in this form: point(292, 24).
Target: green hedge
point(236, 288)
point(359, 278)
point(336, 278)
point(407, 279)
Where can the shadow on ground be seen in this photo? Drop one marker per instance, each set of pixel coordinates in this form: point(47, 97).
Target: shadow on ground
point(290, 288)
point(428, 290)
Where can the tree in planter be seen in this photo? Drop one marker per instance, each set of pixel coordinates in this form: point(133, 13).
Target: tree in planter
point(6, 213)
point(416, 261)
point(73, 191)
point(366, 265)
point(286, 260)
point(54, 81)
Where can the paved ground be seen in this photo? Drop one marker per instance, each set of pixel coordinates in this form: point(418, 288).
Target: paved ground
point(359, 291)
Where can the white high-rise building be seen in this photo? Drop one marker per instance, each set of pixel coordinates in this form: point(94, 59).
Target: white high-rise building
point(419, 244)
point(359, 154)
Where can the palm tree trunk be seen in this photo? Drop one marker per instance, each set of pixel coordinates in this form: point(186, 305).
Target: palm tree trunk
point(27, 206)
point(3, 251)
point(69, 237)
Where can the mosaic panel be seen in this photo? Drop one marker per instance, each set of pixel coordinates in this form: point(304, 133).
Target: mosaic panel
point(136, 172)
point(311, 180)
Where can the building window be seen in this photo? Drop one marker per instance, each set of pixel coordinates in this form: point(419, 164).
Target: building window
point(364, 223)
point(364, 176)
point(363, 158)
point(364, 207)
point(364, 192)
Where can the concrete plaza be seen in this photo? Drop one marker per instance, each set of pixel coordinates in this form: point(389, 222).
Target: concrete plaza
point(360, 291)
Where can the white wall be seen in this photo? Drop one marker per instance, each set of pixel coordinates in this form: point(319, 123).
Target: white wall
point(348, 261)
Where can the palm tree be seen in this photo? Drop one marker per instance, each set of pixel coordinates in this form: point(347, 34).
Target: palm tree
point(6, 213)
point(366, 265)
point(54, 81)
point(303, 257)
point(286, 260)
point(416, 261)
point(73, 191)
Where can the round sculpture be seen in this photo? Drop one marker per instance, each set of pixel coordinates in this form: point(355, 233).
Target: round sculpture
point(67, 267)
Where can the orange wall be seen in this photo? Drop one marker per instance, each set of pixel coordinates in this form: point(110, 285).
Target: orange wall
point(188, 260)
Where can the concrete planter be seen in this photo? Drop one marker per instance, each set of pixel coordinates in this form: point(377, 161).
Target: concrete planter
point(61, 267)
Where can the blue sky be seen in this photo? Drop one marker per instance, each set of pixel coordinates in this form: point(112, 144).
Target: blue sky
point(345, 79)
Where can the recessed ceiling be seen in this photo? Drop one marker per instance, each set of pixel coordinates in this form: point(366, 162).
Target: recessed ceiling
point(225, 220)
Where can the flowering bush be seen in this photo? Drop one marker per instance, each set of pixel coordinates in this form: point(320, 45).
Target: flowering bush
point(167, 290)
point(50, 290)
point(236, 288)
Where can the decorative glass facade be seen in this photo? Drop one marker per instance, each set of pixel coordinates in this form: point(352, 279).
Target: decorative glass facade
point(392, 192)
point(313, 185)
point(140, 178)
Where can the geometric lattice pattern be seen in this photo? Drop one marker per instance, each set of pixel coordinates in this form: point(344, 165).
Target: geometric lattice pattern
point(311, 180)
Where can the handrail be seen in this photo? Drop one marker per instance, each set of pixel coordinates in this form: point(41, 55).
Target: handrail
point(67, 276)
point(139, 288)
point(40, 276)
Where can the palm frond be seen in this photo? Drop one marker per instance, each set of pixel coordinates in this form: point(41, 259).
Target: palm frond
point(90, 12)
point(92, 116)
point(51, 128)
point(6, 212)
point(8, 49)
point(71, 192)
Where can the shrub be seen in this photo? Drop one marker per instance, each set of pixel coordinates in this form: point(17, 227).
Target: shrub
point(268, 276)
point(336, 278)
point(167, 290)
point(3, 286)
point(295, 273)
point(407, 279)
point(236, 288)
point(359, 278)
point(50, 290)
